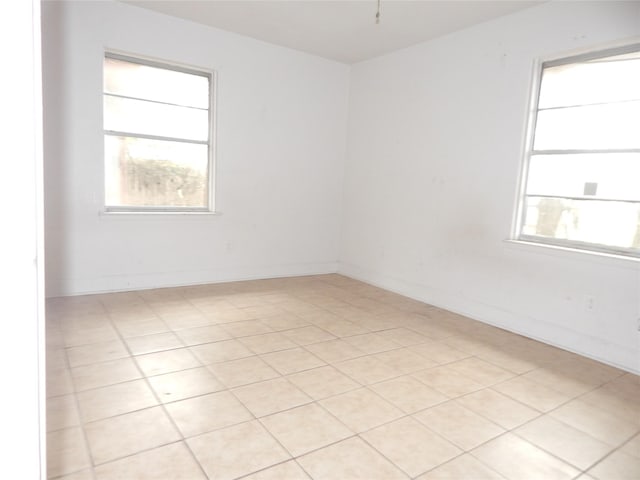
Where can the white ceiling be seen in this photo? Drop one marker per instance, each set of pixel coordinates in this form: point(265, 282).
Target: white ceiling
point(342, 30)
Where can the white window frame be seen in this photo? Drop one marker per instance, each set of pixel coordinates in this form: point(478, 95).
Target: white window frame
point(518, 224)
point(211, 142)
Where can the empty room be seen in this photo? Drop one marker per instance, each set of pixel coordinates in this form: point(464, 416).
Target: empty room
point(323, 240)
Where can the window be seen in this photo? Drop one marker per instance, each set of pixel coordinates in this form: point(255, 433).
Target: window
point(157, 136)
point(581, 185)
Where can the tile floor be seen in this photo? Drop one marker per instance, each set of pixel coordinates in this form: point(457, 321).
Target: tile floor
point(321, 378)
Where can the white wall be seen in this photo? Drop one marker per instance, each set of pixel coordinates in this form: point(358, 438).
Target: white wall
point(21, 246)
point(434, 148)
point(281, 143)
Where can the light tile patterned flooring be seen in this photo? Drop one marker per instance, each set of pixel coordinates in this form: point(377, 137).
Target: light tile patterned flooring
point(325, 378)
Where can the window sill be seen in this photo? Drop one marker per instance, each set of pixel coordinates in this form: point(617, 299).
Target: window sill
point(610, 259)
point(105, 214)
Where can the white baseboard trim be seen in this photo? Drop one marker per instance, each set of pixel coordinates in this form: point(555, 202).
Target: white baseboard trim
point(609, 353)
point(145, 281)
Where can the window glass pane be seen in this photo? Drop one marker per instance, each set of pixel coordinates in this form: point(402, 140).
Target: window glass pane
point(140, 116)
point(603, 80)
point(611, 176)
point(593, 127)
point(152, 83)
point(612, 224)
point(141, 172)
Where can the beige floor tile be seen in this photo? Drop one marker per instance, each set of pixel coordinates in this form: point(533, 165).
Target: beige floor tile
point(188, 319)
point(335, 351)
point(56, 358)
point(361, 409)
point(81, 475)
point(200, 335)
point(269, 397)
point(434, 331)
point(519, 460)
point(411, 446)
point(448, 381)
point(408, 394)
point(172, 461)
point(114, 400)
point(627, 385)
point(439, 352)
point(302, 308)
point(220, 351)
point(587, 369)
point(242, 372)
point(510, 359)
point(632, 447)
point(166, 362)
point(127, 434)
point(308, 335)
point(598, 423)
point(260, 312)
point(459, 425)
point(210, 303)
point(245, 300)
point(367, 370)
point(208, 412)
point(561, 382)
point(468, 343)
point(153, 343)
point(405, 360)
point(236, 451)
point(618, 466)
point(268, 342)
point(532, 394)
point(66, 452)
point(292, 361)
point(371, 343)
point(140, 326)
point(62, 412)
point(284, 321)
point(141, 312)
point(59, 382)
point(322, 382)
point(97, 352)
point(285, 471)
point(464, 467)
point(403, 336)
point(84, 335)
point(350, 459)
point(482, 372)
point(305, 428)
point(229, 315)
point(171, 387)
point(498, 408)
point(102, 374)
point(614, 400)
point(565, 442)
point(342, 328)
point(246, 328)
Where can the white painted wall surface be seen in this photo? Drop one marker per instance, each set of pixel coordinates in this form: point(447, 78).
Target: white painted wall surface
point(434, 150)
point(281, 134)
point(22, 441)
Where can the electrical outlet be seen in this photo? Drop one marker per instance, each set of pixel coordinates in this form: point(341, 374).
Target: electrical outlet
point(589, 303)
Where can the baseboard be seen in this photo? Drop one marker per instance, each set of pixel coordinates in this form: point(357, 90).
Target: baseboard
point(615, 355)
point(130, 282)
